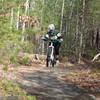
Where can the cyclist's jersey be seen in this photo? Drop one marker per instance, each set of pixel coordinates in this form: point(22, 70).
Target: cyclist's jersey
point(56, 37)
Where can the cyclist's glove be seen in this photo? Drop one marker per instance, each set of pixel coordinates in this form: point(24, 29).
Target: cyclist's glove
point(53, 37)
point(43, 38)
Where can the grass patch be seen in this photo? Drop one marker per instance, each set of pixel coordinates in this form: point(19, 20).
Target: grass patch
point(5, 68)
point(1, 62)
point(14, 59)
point(25, 60)
point(8, 88)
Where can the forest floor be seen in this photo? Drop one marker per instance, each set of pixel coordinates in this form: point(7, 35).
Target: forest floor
point(64, 82)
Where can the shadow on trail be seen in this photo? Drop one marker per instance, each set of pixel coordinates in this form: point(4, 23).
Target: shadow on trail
point(46, 86)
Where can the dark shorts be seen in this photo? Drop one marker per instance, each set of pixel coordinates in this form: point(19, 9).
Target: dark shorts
point(56, 47)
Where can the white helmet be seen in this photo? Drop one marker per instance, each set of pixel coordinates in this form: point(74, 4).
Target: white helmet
point(51, 27)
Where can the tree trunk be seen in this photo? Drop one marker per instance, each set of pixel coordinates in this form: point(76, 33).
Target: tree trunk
point(80, 49)
point(23, 27)
point(27, 7)
point(11, 22)
point(97, 38)
point(62, 13)
point(77, 34)
point(23, 30)
point(70, 15)
point(42, 12)
point(18, 18)
point(82, 31)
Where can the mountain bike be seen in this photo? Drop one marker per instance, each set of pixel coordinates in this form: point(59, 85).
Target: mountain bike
point(50, 61)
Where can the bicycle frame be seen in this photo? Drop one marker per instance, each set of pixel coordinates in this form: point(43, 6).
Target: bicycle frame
point(50, 55)
point(52, 51)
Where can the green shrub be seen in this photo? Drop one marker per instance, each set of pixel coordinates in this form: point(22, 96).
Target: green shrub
point(27, 46)
point(14, 59)
point(26, 60)
point(31, 48)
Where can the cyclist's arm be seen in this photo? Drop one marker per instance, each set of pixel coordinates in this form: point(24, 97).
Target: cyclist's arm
point(59, 36)
point(46, 37)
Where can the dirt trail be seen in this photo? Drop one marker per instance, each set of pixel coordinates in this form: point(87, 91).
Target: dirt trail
point(46, 84)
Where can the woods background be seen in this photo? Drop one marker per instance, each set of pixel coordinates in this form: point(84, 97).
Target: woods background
point(23, 22)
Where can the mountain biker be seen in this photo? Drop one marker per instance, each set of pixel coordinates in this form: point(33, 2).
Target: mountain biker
point(56, 39)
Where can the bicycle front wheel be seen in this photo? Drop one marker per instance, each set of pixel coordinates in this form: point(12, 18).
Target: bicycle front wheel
point(50, 63)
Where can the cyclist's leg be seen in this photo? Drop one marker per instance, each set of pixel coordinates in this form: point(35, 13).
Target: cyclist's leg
point(56, 48)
